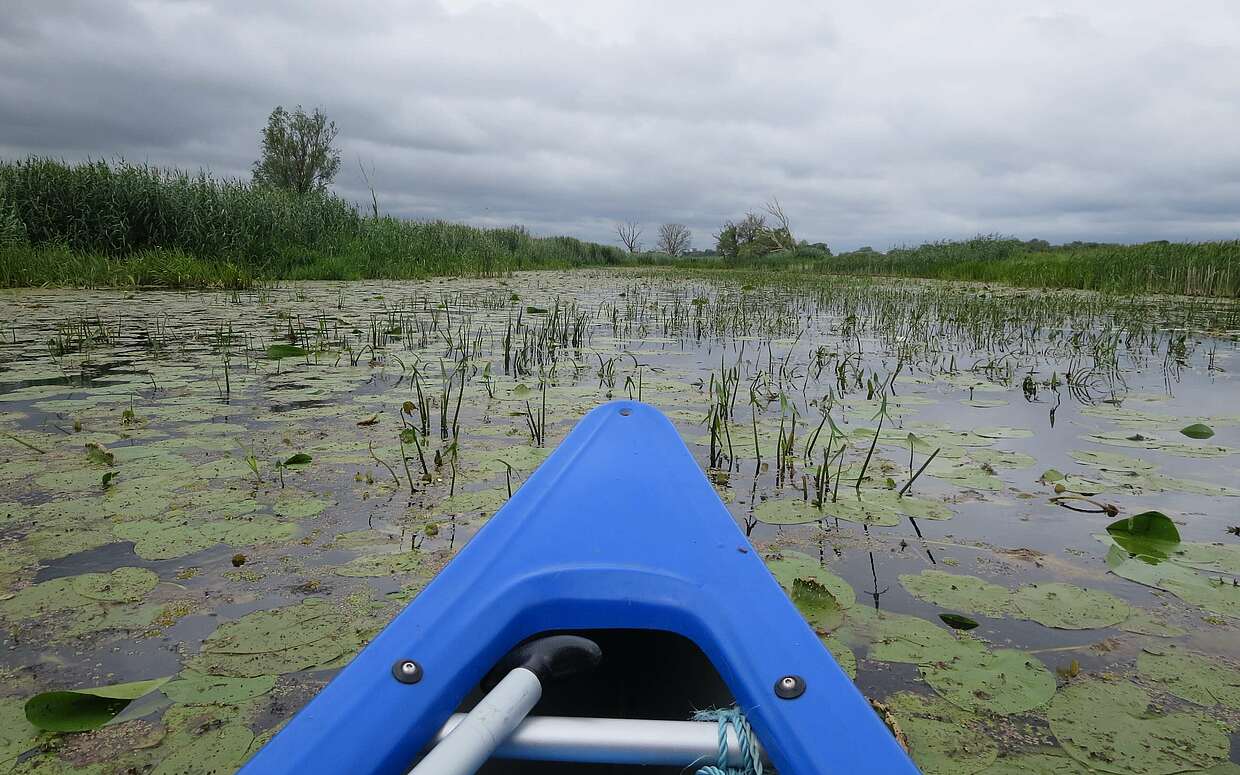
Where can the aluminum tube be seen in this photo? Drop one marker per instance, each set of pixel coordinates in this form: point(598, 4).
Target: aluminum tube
point(613, 741)
point(479, 732)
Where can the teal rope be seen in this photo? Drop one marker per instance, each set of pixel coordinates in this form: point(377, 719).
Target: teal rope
point(751, 759)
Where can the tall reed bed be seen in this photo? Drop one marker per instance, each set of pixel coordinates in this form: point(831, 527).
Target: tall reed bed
point(1195, 269)
point(97, 223)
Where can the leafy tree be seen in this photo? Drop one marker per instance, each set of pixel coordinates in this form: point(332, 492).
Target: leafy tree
point(751, 237)
point(297, 151)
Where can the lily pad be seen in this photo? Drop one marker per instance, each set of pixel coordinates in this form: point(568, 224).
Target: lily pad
point(282, 640)
point(958, 622)
point(472, 502)
point(1036, 763)
point(943, 740)
point(901, 638)
point(161, 540)
point(1109, 725)
point(1144, 622)
point(844, 656)
point(789, 566)
point(1149, 534)
point(78, 710)
point(1195, 677)
point(121, 585)
point(1199, 588)
point(300, 505)
point(278, 351)
point(1198, 431)
point(950, 590)
point(1002, 682)
point(817, 604)
point(789, 511)
point(1069, 607)
point(380, 565)
point(207, 740)
point(194, 687)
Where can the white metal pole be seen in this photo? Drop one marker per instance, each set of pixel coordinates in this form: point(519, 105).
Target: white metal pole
point(481, 731)
point(614, 741)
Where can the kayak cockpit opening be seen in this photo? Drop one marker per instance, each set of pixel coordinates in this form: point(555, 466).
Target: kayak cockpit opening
point(643, 676)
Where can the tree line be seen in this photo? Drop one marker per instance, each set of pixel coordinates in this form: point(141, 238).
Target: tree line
point(753, 236)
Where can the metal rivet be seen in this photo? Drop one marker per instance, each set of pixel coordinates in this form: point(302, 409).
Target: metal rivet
point(790, 687)
point(407, 671)
point(626, 412)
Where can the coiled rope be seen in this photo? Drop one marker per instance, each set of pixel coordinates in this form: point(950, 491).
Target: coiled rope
point(751, 760)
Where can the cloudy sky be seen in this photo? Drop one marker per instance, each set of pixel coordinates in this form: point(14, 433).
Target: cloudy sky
point(875, 123)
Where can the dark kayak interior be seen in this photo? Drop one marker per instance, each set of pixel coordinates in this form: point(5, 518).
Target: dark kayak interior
point(644, 674)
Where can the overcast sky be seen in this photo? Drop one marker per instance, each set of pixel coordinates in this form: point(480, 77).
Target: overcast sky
point(874, 123)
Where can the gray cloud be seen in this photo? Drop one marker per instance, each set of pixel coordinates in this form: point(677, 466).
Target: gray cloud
point(879, 124)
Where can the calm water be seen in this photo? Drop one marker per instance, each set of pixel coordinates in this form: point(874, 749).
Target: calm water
point(1049, 417)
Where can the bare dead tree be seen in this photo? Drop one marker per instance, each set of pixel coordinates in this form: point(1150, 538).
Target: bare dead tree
point(629, 232)
point(374, 199)
point(782, 233)
point(674, 239)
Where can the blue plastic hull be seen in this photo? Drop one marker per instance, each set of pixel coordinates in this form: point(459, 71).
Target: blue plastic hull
point(617, 529)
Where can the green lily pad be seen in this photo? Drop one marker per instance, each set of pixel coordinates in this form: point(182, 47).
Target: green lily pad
point(895, 637)
point(194, 687)
point(1068, 607)
point(78, 710)
point(278, 351)
point(121, 585)
point(1194, 677)
point(1198, 431)
point(1149, 534)
point(844, 656)
point(958, 622)
point(1144, 622)
point(1002, 432)
point(1116, 462)
point(789, 511)
point(16, 733)
point(379, 565)
point(300, 459)
point(871, 507)
point(282, 640)
point(276, 629)
point(816, 603)
point(206, 740)
point(968, 593)
point(789, 566)
point(1216, 558)
point(942, 739)
point(1199, 588)
point(1109, 725)
point(161, 540)
point(1036, 763)
point(474, 502)
point(1002, 682)
point(295, 504)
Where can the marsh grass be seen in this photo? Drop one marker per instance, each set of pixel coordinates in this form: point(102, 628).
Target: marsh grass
point(96, 224)
point(102, 224)
point(1185, 268)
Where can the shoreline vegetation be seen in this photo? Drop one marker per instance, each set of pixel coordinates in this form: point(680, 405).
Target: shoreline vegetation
point(100, 224)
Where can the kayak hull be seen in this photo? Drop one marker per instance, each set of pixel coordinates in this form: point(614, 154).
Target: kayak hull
point(618, 529)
